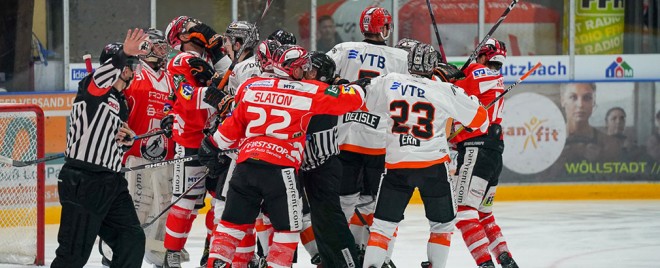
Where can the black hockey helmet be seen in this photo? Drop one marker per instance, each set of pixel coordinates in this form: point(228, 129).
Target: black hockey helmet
point(324, 65)
point(284, 37)
point(112, 49)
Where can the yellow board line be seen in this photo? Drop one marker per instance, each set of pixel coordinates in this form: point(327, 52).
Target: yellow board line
point(532, 192)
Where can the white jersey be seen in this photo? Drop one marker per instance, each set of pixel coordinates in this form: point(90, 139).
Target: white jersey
point(243, 71)
point(361, 131)
point(417, 111)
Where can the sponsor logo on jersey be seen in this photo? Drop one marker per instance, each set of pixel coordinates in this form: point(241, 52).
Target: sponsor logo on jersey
point(332, 91)
point(484, 72)
point(262, 83)
point(408, 140)
point(395, 86)
point(367, 58)
point(294, 201)
point(347, 90)
point(619, 69)
point(151, 111)
point(412, 91)
point(368, 119)
point(178, 79)
point(114, 105)
point(297, 86)
point(186, 91)
point(154, 148)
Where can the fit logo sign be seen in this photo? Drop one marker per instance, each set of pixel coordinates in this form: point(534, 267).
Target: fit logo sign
point(619, 69)
point(535, 133)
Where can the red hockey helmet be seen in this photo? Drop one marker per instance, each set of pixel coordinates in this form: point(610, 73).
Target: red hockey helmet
point(287, 58)
point(264, 54)
point(178, 26)
point(494, 50)
point(373, 19)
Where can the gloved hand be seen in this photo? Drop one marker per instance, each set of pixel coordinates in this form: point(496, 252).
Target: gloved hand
point(209, 156)
point(166, 124)
point(448, 72)
point(362, 82)
point(218, 98)
point(206, 35)
point(201, 70)
point(340, 81)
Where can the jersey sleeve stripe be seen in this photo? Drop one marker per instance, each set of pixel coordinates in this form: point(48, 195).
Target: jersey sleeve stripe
point(479, 119)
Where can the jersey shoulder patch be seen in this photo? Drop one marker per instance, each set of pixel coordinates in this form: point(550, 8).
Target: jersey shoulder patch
point(484, 72)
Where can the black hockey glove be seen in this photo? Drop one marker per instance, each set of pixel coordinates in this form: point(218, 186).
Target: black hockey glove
point(201, 70)
point(206, 35)
point(341, 81)
point(209, 156)
point(166, 124)
point(448, 73)
point(219, 99)
point(363, 82)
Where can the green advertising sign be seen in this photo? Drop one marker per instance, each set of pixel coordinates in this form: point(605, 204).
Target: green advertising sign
point(599, 26)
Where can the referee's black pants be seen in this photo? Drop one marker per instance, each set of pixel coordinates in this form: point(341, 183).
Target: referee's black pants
point(97, 203)
point(333, 238)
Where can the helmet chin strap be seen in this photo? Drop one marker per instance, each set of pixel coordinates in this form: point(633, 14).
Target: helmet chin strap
point(389, 32)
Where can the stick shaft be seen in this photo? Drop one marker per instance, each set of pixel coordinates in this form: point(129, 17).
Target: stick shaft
point(489, 34)
point(437, 34)
point(152, 221)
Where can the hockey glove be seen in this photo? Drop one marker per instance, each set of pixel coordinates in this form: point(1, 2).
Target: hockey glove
point(207, 36)
point(209, 156)
point(219, 99)
point(340, 81)
point(166, 124)
point(201, 70)
point(448, 73)
point(363, 82)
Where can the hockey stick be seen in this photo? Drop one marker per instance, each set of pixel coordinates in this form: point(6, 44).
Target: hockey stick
point(225, 78)
point(437, 34)
point(147, 135)
point(489, 34)
point(528, 73)
point(152, 221)
point(171, 161)
point(17, 163)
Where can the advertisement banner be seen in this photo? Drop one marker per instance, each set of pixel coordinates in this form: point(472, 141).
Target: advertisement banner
point(581, 132)
point(56, 107)
point(599, 26)
point(554, 68)
point(77, 73)
point(617, 68)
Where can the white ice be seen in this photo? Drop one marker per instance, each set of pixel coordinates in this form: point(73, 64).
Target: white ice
point(575, 234)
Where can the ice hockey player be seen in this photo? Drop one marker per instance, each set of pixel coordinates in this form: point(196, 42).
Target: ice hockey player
point(92, 190)
point(270, 120)
point(245, 35)
point(480, 161)
point(417, 109)
point(320, 175)
point(189, 116)
point(361, 133)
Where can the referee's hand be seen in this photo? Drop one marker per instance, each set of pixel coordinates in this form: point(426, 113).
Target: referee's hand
point(125, 136)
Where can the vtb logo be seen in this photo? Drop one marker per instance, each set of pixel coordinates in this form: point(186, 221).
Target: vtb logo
point(619, 69)
point(371, 59)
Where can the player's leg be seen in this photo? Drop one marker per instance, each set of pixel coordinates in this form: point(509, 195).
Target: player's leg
point(374, 167)
point(183, 213)
point(242, 206)
point(498, 245)
point(393, 197)
point(83, 209)
point(283, 202)
point(161, 180)
point(476, 166)
point(307, 237)
point(436, 192)
point(121, 229)
point(351, 182)
point(333, 238)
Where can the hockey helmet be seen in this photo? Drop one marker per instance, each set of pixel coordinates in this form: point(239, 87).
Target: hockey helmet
point(284, 37)
point(324, 65)
point(494, 50)
point(158, 52)
point(287, 58)
point(373, 19)
point(113, 49)
point(264, 54)
point(243, 32)
point(422, 59)
point(406, 44)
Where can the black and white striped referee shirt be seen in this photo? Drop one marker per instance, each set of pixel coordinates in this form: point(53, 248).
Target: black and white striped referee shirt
point(321, 142)
point(97, 114)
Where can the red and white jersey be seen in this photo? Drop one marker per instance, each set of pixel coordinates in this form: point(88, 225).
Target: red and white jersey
point(146, 99)
point(191, 114)
point(486, 85)
point(361, 131)
point(417, 112)
point(243, 71)
point(272, 114)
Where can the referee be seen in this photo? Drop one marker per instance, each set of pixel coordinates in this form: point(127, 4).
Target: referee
point(321, 173)
point(93, 193)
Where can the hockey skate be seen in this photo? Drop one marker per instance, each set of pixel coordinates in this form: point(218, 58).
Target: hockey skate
point(258, 262)
point(388, 264)
point(506, 261)
point(172, 259)
point(105, 262)
point(426, 264)
point(316, 259)
point(488, 264)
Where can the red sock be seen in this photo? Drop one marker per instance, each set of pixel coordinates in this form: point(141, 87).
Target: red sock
point(494, 233)
point(473, 234)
